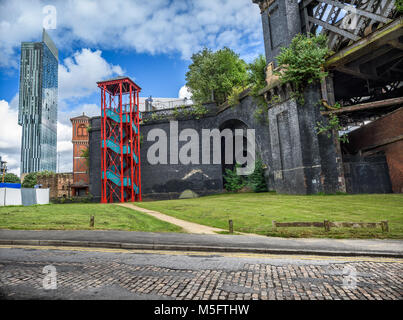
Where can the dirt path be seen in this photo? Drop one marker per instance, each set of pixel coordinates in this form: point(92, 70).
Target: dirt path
point(187, 226)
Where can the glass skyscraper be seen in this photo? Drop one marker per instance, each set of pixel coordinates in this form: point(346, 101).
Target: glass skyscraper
point(37, 112)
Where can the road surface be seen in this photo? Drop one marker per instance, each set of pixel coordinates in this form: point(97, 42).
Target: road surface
point(96, 273)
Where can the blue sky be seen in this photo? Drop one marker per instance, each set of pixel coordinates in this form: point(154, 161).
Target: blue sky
point(149, 41)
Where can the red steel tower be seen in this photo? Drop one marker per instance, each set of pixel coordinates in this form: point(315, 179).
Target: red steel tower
point(120, 136)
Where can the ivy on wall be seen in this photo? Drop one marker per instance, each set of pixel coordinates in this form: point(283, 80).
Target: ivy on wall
point(302, 64)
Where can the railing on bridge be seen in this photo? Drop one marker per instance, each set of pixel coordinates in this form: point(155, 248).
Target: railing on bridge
point(345, 21)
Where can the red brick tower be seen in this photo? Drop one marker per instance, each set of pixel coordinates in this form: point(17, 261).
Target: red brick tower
point(80, 142)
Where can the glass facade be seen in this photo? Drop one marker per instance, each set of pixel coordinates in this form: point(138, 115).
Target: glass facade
point(38, 105)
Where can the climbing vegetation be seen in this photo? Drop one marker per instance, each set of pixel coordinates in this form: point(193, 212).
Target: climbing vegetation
point(86, 154)
point(233, 97)
point(302, 62)
point(257, 75)
point(256, 82)
point(332, 124)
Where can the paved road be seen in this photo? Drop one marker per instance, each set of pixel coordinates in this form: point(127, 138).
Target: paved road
point(183, 241)
point(92, 273)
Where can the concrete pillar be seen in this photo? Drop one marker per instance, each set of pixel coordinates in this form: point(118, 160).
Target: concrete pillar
point(281, 22)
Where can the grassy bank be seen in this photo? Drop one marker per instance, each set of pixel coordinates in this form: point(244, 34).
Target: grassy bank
point(77, 216)
point(254, 212)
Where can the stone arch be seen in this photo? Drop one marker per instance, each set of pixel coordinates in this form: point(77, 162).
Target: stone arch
point(232, 124)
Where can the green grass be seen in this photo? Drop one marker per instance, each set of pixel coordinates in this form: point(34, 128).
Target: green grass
point(77, 217)
point(254, 212)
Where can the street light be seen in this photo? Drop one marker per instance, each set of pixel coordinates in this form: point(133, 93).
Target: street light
point(4, 170)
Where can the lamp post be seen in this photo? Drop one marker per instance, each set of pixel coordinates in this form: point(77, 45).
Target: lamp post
point(4, 171)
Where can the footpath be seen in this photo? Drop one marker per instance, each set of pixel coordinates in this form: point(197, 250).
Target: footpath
point(203, 242)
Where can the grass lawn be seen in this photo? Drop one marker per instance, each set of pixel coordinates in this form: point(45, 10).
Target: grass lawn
point(77, 217)
point(254, 212)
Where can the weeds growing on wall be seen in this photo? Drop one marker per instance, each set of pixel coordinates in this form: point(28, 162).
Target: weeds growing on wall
point(256, 82)
point(399, 5)
point(333, 123)
point(302, 62)
point(198, 111)
point(233, 97)
point(263, 107)
point(86, 154)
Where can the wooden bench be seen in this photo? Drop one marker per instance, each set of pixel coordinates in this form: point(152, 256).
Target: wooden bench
point(326, 224)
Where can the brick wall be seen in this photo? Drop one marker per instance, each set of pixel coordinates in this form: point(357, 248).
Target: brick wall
point(383, 135)
point(59, 184)
point(80, 140)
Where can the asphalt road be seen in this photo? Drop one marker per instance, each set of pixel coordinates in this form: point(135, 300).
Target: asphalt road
point(92, 273)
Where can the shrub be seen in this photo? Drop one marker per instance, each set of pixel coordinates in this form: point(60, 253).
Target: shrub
point(233, 181)
point(257, 75)
point(233, 98)
point(303, 60)
point(256, 180)
point(10, 178)
point(30, 180)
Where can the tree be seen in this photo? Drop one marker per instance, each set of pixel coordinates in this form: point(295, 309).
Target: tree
point(10, 178)
point(256, 180)
point(30, 180)
point(233, 181)
point(257, 75)
point(212, 75)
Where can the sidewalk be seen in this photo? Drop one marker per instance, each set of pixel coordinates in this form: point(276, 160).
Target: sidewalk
point(187, 226)
point(199, 242)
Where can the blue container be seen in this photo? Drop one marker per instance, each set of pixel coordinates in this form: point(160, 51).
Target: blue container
point(10, 185)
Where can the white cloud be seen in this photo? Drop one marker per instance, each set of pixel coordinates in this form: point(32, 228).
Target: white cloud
point(64, 133)
point(19, 21)
point(184, 93)
point(10, 137)
point(79, 73)
point(158, 26)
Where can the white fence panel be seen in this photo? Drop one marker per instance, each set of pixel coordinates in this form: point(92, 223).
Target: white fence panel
point(13, 197)
point(2, 195)
point(42, 196)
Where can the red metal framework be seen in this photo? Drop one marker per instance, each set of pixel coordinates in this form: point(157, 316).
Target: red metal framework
point(120, 140)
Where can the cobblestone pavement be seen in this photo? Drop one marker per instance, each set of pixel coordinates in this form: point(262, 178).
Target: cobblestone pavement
point(122, 274)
